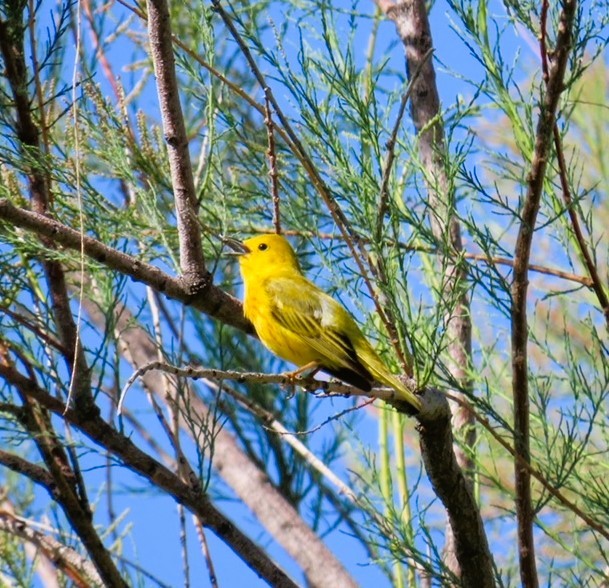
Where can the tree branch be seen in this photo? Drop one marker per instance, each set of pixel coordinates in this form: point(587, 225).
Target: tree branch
point(520, 385)
point(455, 492)
point(412, 24)
point(103, 434)
point(191, 251)
point(212, 300)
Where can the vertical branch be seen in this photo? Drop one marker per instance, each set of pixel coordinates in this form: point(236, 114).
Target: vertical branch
point(192, 263)
point(520, 384)
point(412, 23)
point(29, 136)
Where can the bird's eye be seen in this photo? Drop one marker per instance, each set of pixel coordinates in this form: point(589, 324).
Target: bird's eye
point(263, 246)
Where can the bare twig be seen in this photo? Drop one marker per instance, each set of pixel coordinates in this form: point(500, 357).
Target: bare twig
point(209, 562)
point(272, 156)
point(484, 257)
point(331, 388)
point(596, 282)
point(391, 143)
point(520, 384)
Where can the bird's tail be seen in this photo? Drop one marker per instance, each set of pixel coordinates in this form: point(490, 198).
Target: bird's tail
point(404, 393)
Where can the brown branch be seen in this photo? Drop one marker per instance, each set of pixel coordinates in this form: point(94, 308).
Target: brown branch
point(455, 492)
point(213, 301)
point(520, 385)
point(488, 259)
point(596, 282)
point(13, 54)
point(17, 464)
point(192, 263)
point(248, 481)
point(412, 24)
point(106, 436)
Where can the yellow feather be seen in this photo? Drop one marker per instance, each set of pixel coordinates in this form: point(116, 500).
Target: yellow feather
point(302, 324)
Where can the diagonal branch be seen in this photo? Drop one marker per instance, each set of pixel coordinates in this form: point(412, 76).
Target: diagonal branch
point(190, 496)
point(520, 385)
point(595, 281)
point(213, 301)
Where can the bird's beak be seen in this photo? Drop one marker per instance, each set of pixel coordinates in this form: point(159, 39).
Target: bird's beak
point(238, 248)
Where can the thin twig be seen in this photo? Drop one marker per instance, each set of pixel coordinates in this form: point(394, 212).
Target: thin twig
point(209, 562)
point(596, 282)
point(391, 143)
point(332, 388)
point(272, 157)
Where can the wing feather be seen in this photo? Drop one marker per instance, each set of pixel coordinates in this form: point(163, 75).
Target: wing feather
point(309, 313)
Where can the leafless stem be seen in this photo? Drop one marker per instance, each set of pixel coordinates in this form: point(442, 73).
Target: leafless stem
point(272, 156)
point(332, 388)
point(191, 251)
point(595, 281)
point(520, 385)
point(391, 143)
point(209, 562)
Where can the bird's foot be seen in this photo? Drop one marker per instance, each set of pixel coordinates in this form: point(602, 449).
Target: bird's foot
point(306, 371)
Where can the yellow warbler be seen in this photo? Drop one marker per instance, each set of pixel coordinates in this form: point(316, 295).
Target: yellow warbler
point(302, 324)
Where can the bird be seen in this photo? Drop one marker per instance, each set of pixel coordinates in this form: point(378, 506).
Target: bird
point(303, 325)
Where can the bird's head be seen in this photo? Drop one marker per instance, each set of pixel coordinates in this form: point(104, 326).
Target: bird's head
point(264, 254)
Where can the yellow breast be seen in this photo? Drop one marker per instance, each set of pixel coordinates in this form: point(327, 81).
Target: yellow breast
point(274, 336)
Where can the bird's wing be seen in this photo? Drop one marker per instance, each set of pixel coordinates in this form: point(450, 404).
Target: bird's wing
point(303, 309)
